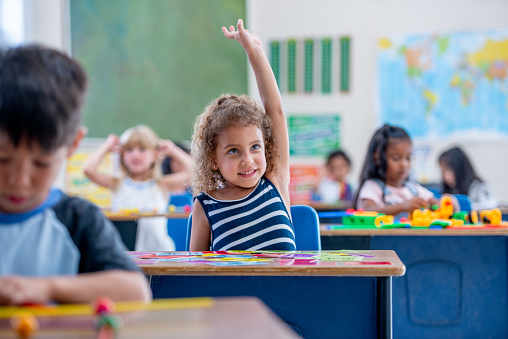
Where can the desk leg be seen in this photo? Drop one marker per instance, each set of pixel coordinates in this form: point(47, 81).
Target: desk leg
point(384, 307)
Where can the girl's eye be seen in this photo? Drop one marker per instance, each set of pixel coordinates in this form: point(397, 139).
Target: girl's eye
point(233, 151)
point(256, 146)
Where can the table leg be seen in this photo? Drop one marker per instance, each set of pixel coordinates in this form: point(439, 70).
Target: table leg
point(384, 307)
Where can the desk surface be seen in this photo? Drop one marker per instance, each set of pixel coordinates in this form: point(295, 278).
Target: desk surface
point(243, 317)
point(320, 207)
point(134, 217)
point(265, 263)
point(336, 230)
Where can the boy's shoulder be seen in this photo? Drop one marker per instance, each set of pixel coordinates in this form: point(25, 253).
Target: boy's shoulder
point(96, 238)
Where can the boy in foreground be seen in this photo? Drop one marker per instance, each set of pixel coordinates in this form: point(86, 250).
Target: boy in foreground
point(52, 247)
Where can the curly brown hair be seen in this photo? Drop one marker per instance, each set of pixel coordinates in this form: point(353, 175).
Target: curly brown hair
point(226, 111)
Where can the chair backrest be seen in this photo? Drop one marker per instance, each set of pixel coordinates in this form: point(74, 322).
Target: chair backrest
point(189, 229)
point(305, 223)
point(464, 202)
point(180, 200)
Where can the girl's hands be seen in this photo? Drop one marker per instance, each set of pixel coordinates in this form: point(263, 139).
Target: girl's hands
point(166, 147)
point(242, 35)
point(413, 204)
point(112, 143)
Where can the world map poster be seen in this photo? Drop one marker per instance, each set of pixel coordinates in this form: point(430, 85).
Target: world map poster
point(446, 85)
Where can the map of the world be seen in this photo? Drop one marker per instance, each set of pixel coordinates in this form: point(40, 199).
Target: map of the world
point(448, 85)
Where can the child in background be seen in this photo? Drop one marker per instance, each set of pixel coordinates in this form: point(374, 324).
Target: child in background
point(332, 186)
point(384, 185)
point(241, 163)
point(459, 177)
point(52, 247)
point(142, 187)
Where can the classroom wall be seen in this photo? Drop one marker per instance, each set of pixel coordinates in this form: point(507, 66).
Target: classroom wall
point(365, 21)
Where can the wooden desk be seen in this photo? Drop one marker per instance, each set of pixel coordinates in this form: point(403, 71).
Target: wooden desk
point(201, 318)
point(134, 217)
point(317, 298)
point(456, 280)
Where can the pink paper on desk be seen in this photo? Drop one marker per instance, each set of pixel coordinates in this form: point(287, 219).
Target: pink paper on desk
point(144, 262)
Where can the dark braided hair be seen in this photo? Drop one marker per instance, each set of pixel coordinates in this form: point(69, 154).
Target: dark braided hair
point(375, 164)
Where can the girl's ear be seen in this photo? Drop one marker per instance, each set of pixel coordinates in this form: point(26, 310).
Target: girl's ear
point(214, 163)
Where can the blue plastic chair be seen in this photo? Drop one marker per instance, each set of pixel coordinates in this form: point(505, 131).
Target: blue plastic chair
point(464, 202)
point(305, 223)
point(177, 228)
point(180, 200)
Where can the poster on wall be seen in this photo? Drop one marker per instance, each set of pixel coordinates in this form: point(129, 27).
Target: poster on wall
point(78, 184)
point(446, 85)
point(313, 135)
point(300, 185)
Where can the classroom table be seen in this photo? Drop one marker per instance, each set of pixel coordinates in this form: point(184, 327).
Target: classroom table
point(456, 281)
point(348, 297)
point(127, 226)
point(241, 317)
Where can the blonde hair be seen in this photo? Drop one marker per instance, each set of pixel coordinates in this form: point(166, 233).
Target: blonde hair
point(144, 137)
point(228, 110)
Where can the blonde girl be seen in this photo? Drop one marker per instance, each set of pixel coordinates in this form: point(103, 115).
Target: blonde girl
point(142, 186)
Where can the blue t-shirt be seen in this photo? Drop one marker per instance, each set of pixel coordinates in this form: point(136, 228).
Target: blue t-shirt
point(259, 221)
point(64, 235)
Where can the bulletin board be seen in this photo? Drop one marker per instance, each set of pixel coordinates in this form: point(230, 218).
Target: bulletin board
point(157, 62)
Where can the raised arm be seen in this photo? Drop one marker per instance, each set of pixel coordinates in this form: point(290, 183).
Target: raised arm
point(91, 165)
point(269, 92)
point(180, 180)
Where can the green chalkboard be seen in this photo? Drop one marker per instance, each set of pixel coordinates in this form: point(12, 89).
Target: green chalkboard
point(155, 62)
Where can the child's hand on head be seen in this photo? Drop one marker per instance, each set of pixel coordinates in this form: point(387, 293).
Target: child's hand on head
point(242, 35)
point(166, 147)
point(414, 204)
point(113, 143)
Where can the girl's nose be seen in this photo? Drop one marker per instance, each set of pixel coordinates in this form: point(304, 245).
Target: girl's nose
point(247, 160)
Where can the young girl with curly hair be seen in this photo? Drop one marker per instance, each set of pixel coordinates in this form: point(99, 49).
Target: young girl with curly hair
point(241, 166)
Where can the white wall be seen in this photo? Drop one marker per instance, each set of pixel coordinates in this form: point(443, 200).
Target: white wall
point(365, 21)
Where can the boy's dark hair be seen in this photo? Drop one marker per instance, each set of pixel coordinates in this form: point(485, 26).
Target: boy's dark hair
point(458, 161)
point(375, 167)
point(41, 95)
point(338, 154)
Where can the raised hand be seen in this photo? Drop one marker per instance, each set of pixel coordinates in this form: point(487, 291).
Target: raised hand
point(166, 147)
point(112, 143)
point(242, 35)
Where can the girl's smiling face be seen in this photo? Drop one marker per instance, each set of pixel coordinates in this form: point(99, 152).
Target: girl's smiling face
point(240, 156)
point(398, 161)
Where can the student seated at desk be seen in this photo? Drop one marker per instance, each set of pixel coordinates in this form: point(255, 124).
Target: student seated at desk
point(142, 186)
point(331, 186)
point(52, 247)
point(459, 177)
point(384, 185)
point(241, 166)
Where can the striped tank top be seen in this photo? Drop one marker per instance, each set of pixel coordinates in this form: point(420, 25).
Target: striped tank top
point(259, 221)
